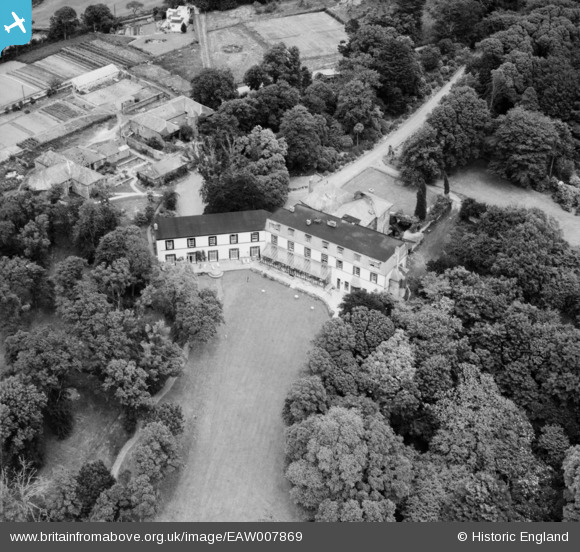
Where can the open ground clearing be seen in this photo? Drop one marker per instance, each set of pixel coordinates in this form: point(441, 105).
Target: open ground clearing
point(317, 35)
point(235, 48)
point(189, 201)
point(185, 62)
point(479, 184)
point(157, 43)
point(11, 89)
point(238, 39)
point(163, 76)
point(97, 435)
point(232, 394)
point(245, 13)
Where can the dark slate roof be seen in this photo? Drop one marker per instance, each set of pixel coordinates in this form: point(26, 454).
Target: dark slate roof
point(350, 236)
point(211, 225)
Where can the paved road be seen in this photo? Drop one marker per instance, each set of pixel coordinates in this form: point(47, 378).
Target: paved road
point(375, 156)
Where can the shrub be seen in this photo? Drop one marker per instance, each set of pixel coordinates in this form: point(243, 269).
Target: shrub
point(155, 143)
point(327, 160)
point(446, 47)
point(470, 208)
point(441, 207)
point(567, 196)
point(430, 57)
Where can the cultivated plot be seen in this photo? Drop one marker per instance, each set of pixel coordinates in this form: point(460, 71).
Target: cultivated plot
point(232, 393)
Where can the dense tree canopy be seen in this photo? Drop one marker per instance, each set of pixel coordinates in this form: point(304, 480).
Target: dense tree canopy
point(213, 86)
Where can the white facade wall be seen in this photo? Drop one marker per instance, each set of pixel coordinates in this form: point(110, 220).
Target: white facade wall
point(186, 251)
point(175, 17)
point(350, 259)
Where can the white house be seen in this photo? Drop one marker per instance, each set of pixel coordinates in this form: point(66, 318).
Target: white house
point(176, 17)
point(218, 237)
point(328, 250)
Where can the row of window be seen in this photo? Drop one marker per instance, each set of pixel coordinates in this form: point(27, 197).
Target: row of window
point(254, 236)
point(308, 238)
point(324, 259)
point(213, 255)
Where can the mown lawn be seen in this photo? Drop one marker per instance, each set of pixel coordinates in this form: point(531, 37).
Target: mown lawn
point(232, 394)
point(474, 181)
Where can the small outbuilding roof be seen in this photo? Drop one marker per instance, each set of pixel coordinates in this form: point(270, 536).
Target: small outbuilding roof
point(86, 79)
point(164, 167)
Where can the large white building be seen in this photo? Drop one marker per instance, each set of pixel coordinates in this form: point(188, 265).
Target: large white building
point(176, 17)
point(218, 237)
point(324, 249)
point(306, 243)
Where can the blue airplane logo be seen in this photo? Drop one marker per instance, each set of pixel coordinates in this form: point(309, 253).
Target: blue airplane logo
point(17, 23)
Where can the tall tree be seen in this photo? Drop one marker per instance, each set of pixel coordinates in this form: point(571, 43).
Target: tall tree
point(527, 146)
point(211, 87)
point(421, 157)
point(98, 17)
point(63, 23)
point(300, 130)
point(421, 206)
point(461, 122)
point(262, 155)
point(21, 407)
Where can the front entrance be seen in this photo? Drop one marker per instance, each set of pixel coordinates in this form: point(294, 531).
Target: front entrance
point(255, 252)
point(338, 283)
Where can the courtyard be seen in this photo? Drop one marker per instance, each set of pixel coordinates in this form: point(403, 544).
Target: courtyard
point(232, 393)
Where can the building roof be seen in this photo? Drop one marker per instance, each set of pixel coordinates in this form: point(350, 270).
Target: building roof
point(211, 225)
point(109, 147)
point(164, 167)
point(83, 156)
point(44, 179)
point(350, 236)
point(50, 158)
point(87, 79)
point(159, 119)
point(365, 207)
point(386, 185)
point(327, 197)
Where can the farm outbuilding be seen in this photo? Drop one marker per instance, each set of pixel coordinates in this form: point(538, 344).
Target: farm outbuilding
point(69, 176)
point(165, 121)
point(163, 171)
point(92, 79)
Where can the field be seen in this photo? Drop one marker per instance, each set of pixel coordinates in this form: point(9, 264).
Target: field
point(232, 394)
point(317, 35)
point(185, 62)
point(162, 76)
point(477, 183)
point(11, 89)
point(237, 39)
point(236, 48)
point(157, 43)
point(41, 14)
